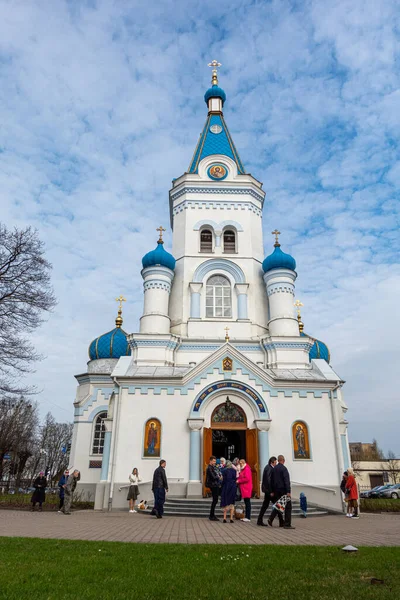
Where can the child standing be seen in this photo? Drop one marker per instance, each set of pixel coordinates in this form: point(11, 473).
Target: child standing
point(303, 504)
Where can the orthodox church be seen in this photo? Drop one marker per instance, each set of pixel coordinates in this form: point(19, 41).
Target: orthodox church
point(221, 364)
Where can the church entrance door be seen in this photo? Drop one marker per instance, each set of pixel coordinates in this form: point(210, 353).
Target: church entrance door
point(229, 437)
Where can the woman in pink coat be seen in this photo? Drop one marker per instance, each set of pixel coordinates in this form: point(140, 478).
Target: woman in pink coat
point(245, 483)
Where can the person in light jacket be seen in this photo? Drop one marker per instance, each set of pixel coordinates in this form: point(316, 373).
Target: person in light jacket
point(69, 490)
point(133, 492)
point(245, 482)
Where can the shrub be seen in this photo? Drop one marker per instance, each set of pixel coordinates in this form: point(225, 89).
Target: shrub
point(379, 505)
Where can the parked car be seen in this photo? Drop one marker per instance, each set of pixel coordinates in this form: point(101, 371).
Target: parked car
point(375, 493)
point(392, 492)
point(367, 493)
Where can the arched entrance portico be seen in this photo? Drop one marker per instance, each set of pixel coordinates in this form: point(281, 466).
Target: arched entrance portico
point(249, 415)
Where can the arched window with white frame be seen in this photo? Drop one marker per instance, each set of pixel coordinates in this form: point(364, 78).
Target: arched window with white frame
point(229, 241)
point(206, 240)
point(99, 433)
point(218, 297)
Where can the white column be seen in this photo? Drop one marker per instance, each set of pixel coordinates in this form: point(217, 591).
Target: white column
point(263, 426)
point(194, 485)
point(157, 287)
point(195, 298)
point(241, 291)
point(280, 291)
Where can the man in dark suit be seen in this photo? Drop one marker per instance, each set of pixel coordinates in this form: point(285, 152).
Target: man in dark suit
point(213, 482)
point(159, 488)
point(281, 487)
point(266, 487)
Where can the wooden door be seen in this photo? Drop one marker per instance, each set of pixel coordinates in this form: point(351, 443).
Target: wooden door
point(207, 452)
point(252, 459)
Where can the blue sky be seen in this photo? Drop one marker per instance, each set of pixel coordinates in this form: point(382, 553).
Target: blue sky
point(102, 105)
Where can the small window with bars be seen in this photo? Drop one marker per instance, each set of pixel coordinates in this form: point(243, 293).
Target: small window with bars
point(229, 242)
point(218, 297)
point(99, 433)
point(206, 241)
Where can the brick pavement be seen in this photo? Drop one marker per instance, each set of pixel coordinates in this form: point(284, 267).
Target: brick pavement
point(335, 530)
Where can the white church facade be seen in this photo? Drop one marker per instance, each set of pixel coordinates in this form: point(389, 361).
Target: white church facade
point(221, 364)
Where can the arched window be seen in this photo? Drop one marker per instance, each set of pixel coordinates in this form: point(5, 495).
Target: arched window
point(218, 297)
point(206, 241)
point(99, 432)
point(229, 241)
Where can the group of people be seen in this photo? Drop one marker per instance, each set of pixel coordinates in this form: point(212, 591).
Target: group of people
point(228, 478)
point(350, 490)
point(66, 486)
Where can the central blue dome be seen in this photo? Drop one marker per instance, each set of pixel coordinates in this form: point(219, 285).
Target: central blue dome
point(215, 92)
point(279, 260)
point(159, 256)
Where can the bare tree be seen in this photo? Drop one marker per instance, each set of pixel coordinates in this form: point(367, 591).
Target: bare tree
point(51, 451)
point(393, 465)
point(18, 427)
point(25, 295)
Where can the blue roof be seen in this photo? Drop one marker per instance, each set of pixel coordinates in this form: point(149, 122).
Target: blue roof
point(215, 92)
point(159, 256)
point(215, 143)
point(319, 350)
point(279, 260)
point(113, 344)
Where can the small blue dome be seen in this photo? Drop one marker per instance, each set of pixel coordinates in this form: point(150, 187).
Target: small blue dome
point(319, 350)
point(215, 92)
point(159, 256)
point(110, 345)
point(279, 260)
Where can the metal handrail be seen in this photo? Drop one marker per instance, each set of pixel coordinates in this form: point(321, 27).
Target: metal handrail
point(170, 480)
point(317, 487)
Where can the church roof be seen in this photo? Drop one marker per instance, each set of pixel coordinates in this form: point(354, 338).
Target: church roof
point(218, 141)
point(112, 344)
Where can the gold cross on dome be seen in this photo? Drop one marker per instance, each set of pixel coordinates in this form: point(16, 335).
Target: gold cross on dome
point(276, 233)
point(227, 334)
point(160, 229)
point(121, 299)
point(298, 304)
point(214, 64)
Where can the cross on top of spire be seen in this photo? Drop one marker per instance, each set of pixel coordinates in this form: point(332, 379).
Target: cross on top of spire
point(160, 230)
point(118, 320)
point(214, 64)
point(276, 233)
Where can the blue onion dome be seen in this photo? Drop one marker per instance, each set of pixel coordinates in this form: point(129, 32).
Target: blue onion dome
point(214, 92)
point(112, 344)
point(278, 260)
point(318, 350)
point(159, 256)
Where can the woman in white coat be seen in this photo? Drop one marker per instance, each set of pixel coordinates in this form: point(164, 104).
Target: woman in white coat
point(133, 489)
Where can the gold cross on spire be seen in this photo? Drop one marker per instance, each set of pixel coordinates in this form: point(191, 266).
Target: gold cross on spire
point(160, 229)
point(298, 304)
point(119, 320)
point(276, 233)
point(227, 334)
point(214, 64)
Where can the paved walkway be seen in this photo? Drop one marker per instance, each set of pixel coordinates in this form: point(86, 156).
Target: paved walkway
point(369, 530)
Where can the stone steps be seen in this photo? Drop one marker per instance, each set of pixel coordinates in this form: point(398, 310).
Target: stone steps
point(200, 508)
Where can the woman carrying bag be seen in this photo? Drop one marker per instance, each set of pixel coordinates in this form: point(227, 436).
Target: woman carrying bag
point(133, 493)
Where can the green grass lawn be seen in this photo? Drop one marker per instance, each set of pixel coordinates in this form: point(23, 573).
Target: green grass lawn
point(60, 569)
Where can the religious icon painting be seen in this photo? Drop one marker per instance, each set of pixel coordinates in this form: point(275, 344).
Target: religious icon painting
point(301, 443)
point(152, 439)
point(217, 172)
point(227, 364)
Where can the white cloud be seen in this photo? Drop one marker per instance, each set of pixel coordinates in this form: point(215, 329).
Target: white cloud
point(102, 106)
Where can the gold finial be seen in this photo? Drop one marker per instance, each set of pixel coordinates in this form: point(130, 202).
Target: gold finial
point(276, 233)
point(214, 64)
point(118, 320)
point(298, 304)
point(227, 334)
point(160, 229)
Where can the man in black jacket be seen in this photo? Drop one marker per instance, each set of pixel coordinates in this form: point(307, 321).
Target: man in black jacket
point(159, 487)
point(281, 487)
point(266, 487)
point(213, 481)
